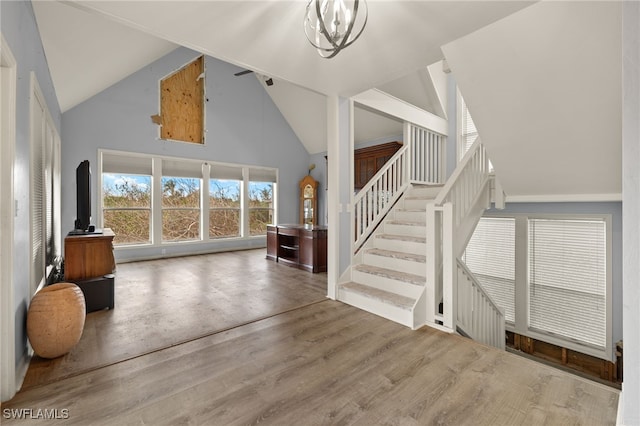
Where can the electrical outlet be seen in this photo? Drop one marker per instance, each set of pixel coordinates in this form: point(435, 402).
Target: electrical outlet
point(164, 251)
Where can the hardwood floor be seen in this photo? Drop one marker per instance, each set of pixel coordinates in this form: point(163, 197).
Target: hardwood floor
point(161, 303)
point(325, 363)
point(232, 338)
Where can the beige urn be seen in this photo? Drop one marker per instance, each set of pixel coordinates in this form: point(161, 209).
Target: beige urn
point(55, 319)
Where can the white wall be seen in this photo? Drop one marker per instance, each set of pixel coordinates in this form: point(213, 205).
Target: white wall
point(544, 89)
point(630, 408)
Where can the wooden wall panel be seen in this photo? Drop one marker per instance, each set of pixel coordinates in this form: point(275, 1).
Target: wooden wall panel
point(182, 104)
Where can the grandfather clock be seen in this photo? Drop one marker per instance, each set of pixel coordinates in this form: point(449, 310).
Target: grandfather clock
point(309, 201)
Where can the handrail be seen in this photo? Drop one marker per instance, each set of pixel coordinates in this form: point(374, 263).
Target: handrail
point(375, 199)
point(451, 220)
point(469, 156)
point(478, 316)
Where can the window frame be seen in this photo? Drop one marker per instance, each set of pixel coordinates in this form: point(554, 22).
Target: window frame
point(234, 209)
point(103, 209)
point(156, 162)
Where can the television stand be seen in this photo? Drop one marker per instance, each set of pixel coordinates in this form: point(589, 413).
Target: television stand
point(89, 262)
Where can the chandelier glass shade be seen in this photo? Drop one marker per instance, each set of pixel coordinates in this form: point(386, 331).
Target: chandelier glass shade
point(332, 25)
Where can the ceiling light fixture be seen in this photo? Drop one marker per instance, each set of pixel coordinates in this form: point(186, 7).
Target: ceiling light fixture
point(332, 25)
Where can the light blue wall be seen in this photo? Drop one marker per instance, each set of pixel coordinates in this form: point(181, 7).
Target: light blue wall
point(611, 208)
point(19, 29)
point(243, 126)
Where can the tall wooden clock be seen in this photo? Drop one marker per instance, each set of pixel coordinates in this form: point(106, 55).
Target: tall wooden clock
point(309, 201)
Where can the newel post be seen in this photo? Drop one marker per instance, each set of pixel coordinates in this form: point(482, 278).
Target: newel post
point(433, 262)
point(449, 267)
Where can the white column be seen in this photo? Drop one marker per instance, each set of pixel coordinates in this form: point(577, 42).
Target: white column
point(629, 408)
point(333, 193)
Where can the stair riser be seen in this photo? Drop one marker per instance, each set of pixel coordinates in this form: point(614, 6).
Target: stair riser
point(387, 284)
point(410, 216)
point(430, 193)
point(411, 230)
point(377, 307)
point(396, 264)
point(416, 203)
point(400, 245)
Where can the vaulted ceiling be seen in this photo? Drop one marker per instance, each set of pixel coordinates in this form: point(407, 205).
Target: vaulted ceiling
point(552, 61)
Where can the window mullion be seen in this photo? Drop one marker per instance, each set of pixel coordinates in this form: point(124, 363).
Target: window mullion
point(522, 287)
point(205, 203)
point(156, 202)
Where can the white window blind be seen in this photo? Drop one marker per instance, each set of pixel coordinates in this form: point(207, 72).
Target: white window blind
point(568, 279)
point(263, 175)
point(490, 255)
point(126, 164)
point(467, 129)
point(38, 210)
point(182, 168)
point(225, 172)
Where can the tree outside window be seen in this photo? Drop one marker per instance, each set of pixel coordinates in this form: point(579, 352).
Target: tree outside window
point(260, 207)
point(180, 209)
point(224, 208)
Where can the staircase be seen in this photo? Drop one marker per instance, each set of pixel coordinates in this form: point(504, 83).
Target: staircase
point(388, 275)
point(410, 232)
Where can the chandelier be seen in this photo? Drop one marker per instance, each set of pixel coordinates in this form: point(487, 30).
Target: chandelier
point(332, 25)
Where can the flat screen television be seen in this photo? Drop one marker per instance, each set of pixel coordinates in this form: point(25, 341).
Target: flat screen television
point(83, 197)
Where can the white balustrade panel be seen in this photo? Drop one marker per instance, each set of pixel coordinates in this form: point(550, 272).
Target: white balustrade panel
point(427, 156)
point(375, 199)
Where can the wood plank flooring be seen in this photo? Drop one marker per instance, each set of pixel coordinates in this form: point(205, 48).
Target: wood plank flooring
point(161, 303)
point(324, 364)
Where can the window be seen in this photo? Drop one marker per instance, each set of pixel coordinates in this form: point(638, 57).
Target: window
point(153, 200)
point(490, 255)
point(126, 207)
point(224, 208)
point(126, 197)
point(467, 132)
point(261, 200)
point(568, 279)
point(46, 240)
point(555, 282)
point(180, 208)
point(260, 207)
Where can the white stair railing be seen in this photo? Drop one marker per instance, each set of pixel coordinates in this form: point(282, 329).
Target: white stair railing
point(477, 315)
point(420, 160)
point(375, 199)
point(427, 155)
point(451, 220)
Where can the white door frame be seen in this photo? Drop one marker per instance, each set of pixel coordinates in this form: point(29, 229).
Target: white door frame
point(7, 212)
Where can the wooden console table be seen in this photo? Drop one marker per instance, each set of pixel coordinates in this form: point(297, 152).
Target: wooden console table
point(301, 246)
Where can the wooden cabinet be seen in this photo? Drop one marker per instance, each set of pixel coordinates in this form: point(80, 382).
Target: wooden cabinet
point(367, 161)
point(88, 255)
point(301, 246)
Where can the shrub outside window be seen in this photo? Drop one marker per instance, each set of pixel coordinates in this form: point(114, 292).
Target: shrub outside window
point(126, 201)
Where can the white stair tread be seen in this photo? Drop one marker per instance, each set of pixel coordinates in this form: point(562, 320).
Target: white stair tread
point(409, 238)
point(398, 255)
point(402, 302)
point(394, 275)
point(405, 222)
